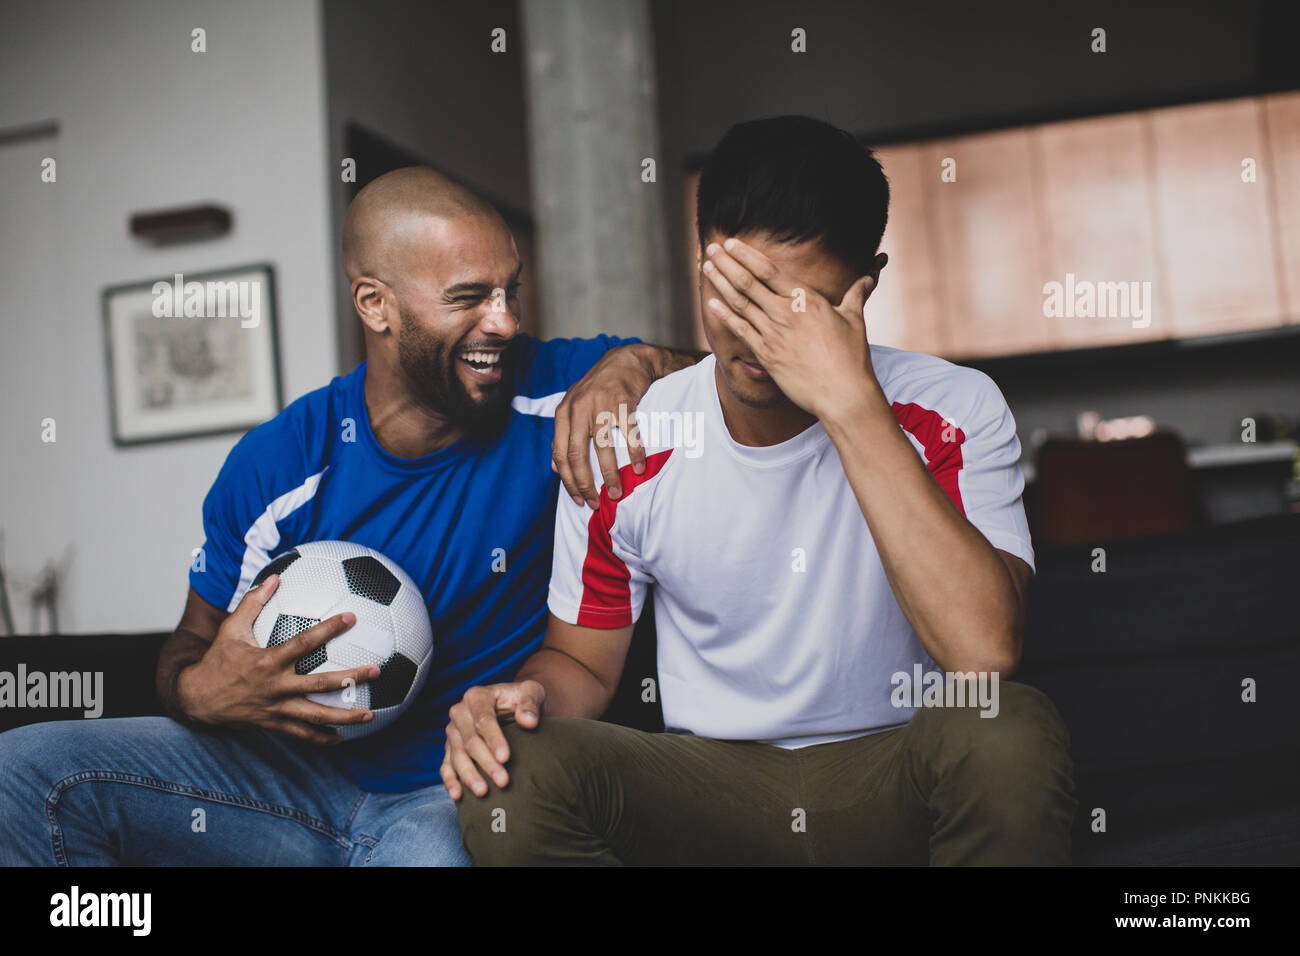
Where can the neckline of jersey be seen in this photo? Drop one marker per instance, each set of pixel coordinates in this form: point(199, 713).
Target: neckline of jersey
point(424, 463)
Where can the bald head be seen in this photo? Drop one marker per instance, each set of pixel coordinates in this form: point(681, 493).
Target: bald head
point(387, 212)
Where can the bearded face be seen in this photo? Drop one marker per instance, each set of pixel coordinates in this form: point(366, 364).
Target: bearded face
point(466, 381)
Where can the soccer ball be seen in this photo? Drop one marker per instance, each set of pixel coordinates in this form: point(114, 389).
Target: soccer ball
point(323, 578)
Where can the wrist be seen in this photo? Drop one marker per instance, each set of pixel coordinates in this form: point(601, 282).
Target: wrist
point(182, 694)
point(650, 357)
point(852, 408)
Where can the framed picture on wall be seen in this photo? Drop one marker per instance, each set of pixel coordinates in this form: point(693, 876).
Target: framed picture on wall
point(192, 354)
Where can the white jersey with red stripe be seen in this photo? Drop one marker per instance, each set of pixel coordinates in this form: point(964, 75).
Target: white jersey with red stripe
point(774, 616)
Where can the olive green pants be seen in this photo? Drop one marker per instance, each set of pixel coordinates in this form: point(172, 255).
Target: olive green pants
point(948, 788)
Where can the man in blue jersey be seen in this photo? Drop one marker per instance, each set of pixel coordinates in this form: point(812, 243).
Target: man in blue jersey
point(437, 452)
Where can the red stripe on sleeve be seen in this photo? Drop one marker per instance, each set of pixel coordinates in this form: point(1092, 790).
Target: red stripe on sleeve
point(606, 597)
point(942, 441)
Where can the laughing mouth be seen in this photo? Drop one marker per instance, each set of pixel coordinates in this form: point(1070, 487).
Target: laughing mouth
point(480, 360)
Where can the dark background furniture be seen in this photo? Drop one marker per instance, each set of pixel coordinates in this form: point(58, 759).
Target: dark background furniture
point(1145, 661)
point(1096, 490)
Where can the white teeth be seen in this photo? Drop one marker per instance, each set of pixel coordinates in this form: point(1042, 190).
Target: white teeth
point(482, 358)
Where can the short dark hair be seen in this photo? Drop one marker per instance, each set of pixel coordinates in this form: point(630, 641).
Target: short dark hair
point(794, 178)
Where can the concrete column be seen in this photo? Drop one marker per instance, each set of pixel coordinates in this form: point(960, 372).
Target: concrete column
point(592, 121)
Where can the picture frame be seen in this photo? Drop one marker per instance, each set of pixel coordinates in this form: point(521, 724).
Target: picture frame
point(192, 354)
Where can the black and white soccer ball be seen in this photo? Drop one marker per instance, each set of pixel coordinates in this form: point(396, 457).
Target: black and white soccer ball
point(323, 578)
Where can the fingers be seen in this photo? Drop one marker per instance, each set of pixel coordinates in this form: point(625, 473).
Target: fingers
point(313, 637)
point(305, 731)
point(477, 749)
point(635, 447)
point(327, 681)
point(487, 728)
point(737, 326)
point(739, 288)
point(737, 303)
point(607, 458)
point(579, 464)
point(560, 449)
point(254, 599)
point(449, 778)
point(476, 745)
point(528, 709)
point(479, 736)
point(461, 765)
point(321, 715)
point(855, 300)
point(583, 432)
point(757, 265)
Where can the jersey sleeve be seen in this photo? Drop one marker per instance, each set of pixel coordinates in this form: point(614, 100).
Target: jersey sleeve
point(989, 481)
point(961, 426)
point(597, 576)
point(230, 509)
point(551, 366)
point(257, 498)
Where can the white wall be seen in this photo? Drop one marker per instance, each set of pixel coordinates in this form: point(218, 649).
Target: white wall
point(144, 123)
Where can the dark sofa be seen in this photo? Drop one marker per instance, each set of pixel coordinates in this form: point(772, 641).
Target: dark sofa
point(1145, 662)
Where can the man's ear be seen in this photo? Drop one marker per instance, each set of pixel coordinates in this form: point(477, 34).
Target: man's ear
point(855, 300)
point(882, 260)
point(368, 297)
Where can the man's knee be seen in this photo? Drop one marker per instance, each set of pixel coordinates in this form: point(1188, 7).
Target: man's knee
point(30, 757)
point(32, 761)
point(1008, 777)
point(1010, 725)
point(546, 768)
point(39, 760)
point(425, 835)
point(1018, 756)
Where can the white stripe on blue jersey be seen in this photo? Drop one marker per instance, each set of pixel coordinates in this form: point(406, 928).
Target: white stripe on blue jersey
point(263, 537)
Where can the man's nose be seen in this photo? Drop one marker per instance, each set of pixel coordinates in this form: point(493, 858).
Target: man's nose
point(497, 317)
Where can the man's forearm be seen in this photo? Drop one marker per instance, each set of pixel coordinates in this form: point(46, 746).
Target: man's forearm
point(950, 582)
point(180, 650)
point(571, 689)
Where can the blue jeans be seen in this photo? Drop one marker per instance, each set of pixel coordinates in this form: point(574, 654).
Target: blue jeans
point(150, 791)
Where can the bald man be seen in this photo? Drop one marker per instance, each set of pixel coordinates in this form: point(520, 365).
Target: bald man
point(436, 451)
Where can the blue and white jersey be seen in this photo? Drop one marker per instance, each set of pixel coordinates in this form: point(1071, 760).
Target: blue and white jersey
point(472, 524)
